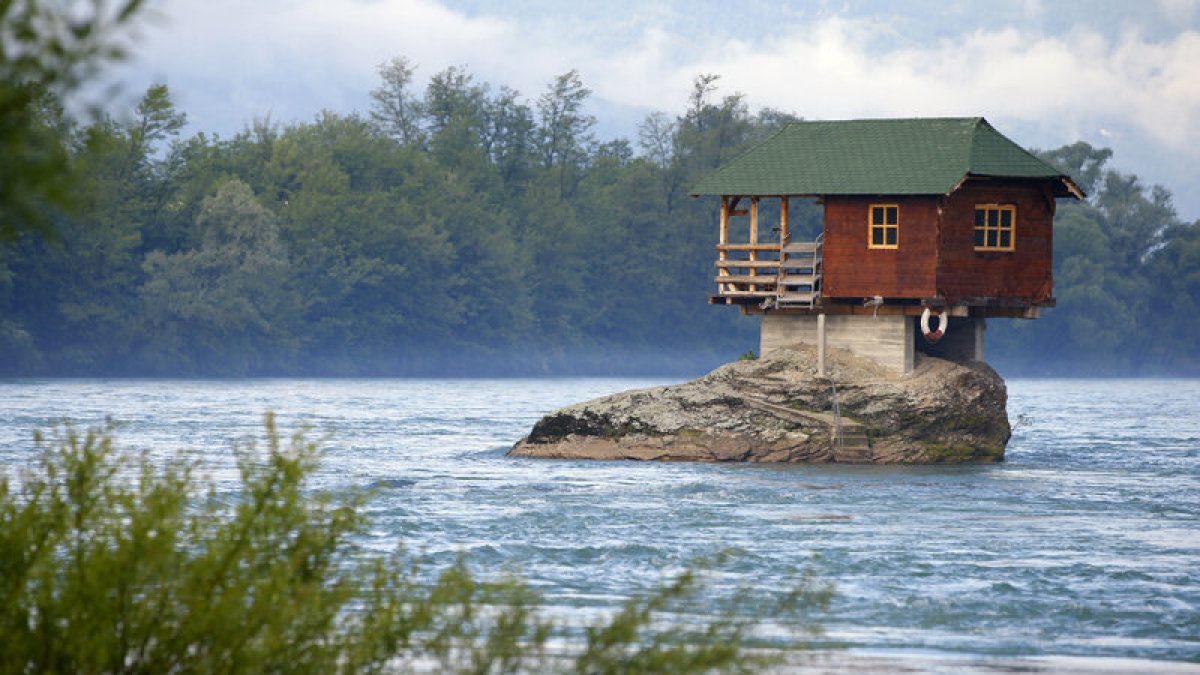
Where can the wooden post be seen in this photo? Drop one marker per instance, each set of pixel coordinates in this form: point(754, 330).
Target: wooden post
point(753, 238)
point(724, 223)
point(821, 345)
point(783, 224)
point(723, 239)
point(753, 220)
point(783, 241)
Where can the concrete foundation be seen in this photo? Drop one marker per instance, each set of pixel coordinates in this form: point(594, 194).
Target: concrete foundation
point(891, 341)
point(887, 340)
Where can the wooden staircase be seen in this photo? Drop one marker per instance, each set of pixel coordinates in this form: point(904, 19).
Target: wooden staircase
point(852, 446)
point(849, 439)
point(799, 282)
point(850, 442)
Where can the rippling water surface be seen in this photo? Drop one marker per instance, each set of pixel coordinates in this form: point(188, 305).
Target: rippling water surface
point(1084, 543)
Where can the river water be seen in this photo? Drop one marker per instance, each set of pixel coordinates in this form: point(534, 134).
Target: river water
point(1080, 552)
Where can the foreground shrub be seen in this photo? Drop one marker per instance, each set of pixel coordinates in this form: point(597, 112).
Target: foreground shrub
point(109, 563)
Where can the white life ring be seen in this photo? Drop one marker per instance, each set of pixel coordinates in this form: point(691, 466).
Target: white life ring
point(943, 323)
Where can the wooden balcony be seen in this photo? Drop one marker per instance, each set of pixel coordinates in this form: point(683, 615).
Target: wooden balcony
point(768, 274)
point(772, 275)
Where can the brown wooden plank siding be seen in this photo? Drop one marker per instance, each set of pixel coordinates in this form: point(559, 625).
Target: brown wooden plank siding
point(853, 270)
point(1024, 272)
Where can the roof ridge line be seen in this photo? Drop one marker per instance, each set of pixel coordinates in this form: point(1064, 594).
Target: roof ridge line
point(976, 127)
point(947, 118)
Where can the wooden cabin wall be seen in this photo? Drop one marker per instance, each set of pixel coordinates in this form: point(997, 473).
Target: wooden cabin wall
point(1022, 273)
point(854, 270)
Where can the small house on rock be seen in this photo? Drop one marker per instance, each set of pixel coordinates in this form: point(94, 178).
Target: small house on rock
point(931, 226)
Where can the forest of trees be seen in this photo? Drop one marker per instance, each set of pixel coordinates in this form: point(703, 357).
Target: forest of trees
point(467, 230)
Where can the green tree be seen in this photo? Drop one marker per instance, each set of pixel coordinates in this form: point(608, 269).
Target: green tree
point(658, 137)
point(156, 120)
point(1174, 308)
point(508, 135)
point(1136, 216)
point(47, 53)
point(371, 250)
point(453, 97)
point(712, 133)
point(394, 107)
point(79, 293)
point(220, 302)
point(564, 129)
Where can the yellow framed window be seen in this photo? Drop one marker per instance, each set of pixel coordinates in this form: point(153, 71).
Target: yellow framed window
point(885, 226)
point(995, 227)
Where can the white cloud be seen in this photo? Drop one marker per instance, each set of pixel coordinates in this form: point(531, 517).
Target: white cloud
point(828, 69)
point(311, 54)
point(230, 61)
point(293, 58)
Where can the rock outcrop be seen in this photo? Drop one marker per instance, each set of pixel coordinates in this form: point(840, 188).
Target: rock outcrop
point(776, 409)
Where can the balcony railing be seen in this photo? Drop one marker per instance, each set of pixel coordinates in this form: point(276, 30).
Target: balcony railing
point(747, 270)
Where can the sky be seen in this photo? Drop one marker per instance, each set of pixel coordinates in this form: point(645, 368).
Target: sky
point(1114, 73)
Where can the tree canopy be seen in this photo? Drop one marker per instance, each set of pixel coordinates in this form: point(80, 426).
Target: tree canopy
point(467, 230)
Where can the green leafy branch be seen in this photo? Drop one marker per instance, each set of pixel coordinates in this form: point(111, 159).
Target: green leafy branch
point(115, 563)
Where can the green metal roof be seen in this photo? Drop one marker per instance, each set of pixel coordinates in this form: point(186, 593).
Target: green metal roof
point(922, 156)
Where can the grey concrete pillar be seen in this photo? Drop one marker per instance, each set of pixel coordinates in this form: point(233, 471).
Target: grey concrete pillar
point(910, 344)
point(980, 327)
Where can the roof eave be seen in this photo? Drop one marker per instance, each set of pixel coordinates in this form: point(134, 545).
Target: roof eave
point(1071, 188)
point(1065, 187)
